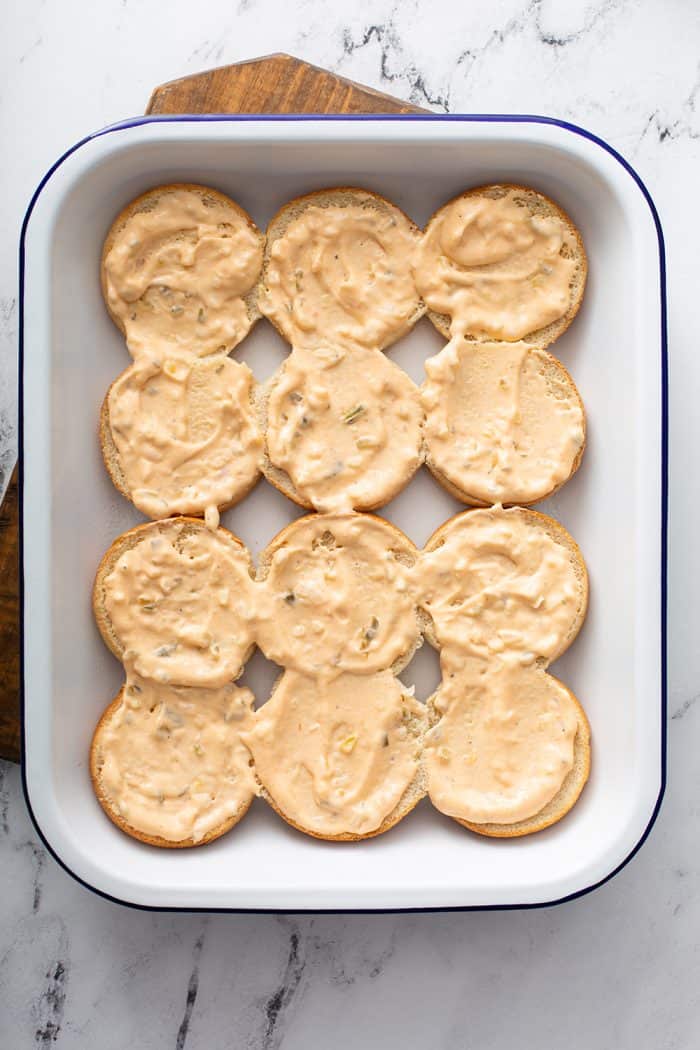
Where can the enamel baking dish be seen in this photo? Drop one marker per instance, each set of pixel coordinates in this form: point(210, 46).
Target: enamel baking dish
point(615, 506)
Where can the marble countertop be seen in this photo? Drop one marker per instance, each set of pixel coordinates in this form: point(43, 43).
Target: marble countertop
point(617, 969)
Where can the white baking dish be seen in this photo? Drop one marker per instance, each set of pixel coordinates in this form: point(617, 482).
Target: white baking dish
point(615, 507)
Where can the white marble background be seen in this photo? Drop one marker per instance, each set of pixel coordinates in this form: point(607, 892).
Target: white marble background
point(618, 969)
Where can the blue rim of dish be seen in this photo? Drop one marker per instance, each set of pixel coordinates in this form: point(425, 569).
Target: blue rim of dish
point(489, 118)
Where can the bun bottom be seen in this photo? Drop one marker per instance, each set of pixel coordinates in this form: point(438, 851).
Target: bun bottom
point(408, 801)
point(563, 801)
point(96, 761)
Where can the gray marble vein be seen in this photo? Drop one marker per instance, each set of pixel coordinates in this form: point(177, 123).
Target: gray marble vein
point(285, 996)
point(617, 970)
point(685, 707)
point(192, 989)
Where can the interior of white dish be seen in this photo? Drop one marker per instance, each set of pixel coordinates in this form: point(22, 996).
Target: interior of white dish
point(612, 507)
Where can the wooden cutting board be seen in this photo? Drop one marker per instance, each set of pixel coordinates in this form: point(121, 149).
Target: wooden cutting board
point(275, 84)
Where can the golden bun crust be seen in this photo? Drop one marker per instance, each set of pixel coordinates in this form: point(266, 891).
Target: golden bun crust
point(110, 454)
point(96, 761)
point(536, 202)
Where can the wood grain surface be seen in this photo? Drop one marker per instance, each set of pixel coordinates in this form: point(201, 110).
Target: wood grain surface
point(274, 84)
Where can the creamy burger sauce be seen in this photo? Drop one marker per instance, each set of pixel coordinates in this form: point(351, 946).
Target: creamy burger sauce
point(345, 425)
point(185, 433)
point(499, 424)
point(178, 271)
point(499, 584)
point(170, 761)
point(504, 743)
point(181, 606)
point(342, 275)
point(494, 268)
point(337, 757)
point(339, 596)
point(337, 745)
point(504, 598)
